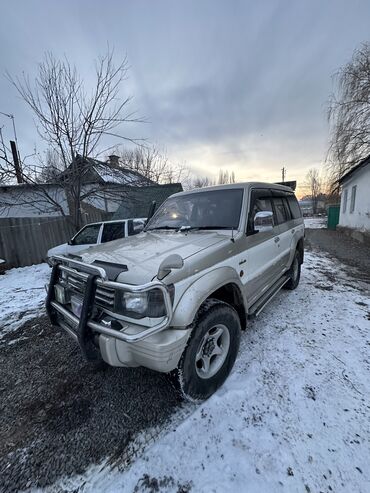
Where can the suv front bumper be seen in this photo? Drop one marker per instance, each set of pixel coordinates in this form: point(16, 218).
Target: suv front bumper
point(131, 344)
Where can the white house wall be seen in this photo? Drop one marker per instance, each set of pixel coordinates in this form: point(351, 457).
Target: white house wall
point(103, 200)
point(20, 202)
point(360, 217)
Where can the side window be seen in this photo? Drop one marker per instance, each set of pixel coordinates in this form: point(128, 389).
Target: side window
point(88, 235)
point(282, 213)
point(294, 207)
point(353, 199)
point(135, 226)
point(260, 201)
point(113, 231)
point(345, 199)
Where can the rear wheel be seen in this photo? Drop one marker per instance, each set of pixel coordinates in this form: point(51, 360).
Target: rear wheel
point(211, 351)
point(294, 272)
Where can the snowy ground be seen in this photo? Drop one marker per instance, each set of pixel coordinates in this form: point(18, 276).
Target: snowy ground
point(22, 295)
point(293, 416)
point(315, 222)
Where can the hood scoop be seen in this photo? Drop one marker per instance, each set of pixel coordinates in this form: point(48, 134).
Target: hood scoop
point(113, 270)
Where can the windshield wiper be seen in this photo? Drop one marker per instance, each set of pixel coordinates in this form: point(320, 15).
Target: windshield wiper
point(162, 227)
point(199, 228)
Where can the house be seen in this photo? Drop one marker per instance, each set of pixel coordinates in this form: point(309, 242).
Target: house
point(307, 205)
point(33, 200)
point(354, 215)
point(138, 199)
point(102, 189)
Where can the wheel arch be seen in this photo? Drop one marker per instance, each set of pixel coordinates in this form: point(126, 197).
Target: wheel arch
point(300, 248)
point(223, 284)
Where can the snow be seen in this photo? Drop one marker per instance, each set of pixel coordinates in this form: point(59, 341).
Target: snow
point(293, 416)
point(315, 222)
point(22, 295)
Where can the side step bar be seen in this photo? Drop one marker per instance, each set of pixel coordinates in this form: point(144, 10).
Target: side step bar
point(259, 305)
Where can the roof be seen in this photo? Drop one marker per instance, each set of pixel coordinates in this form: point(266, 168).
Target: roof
point(362, 164)
point(19, 186)
point(138, 199)
point(245, 185)
point(114, 221)
point(95, 171)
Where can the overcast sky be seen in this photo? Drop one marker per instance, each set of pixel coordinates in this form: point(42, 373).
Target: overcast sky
point(238, 85)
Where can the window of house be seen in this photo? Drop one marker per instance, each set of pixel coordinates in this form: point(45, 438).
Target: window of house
point(345, 198)
point(113, 231)
point(353, 199)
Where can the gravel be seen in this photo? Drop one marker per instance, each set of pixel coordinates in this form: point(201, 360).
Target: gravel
point(350, 252)
point(60, 414)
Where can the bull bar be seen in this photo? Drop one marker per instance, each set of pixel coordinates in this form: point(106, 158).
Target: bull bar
point(96, 276)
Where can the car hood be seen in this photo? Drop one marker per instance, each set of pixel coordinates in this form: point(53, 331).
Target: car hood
point(58, 250)
point(143, 253)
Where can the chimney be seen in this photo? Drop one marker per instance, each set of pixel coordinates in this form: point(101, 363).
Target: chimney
point(113, 160)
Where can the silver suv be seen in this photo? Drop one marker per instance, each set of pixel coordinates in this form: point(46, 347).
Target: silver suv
point(175, 297)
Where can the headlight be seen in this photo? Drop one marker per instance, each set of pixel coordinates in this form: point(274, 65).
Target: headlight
point(140, 305)
point(135, 302)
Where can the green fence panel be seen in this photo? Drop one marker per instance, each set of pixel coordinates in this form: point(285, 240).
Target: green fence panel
point(333, 216)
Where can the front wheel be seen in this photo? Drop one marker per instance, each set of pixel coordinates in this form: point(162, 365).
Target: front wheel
point(211, 351)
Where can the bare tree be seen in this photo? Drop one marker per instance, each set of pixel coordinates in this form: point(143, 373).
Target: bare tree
point(225, 177)
point(72, 121)
point(153, 165)
point(314, 184)
point(202, 181)
point(349, 115)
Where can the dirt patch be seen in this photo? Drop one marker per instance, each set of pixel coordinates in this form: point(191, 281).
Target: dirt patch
point(355, 255)
point(59, 414)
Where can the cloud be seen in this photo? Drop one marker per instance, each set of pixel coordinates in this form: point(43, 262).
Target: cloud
point(235, 84)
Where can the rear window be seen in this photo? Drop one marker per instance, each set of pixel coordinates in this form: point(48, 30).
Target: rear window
point(282, 211)
point(113, 231)
point(294, 207)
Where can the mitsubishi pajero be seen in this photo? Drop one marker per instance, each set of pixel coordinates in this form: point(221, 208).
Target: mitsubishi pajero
point(175, 297)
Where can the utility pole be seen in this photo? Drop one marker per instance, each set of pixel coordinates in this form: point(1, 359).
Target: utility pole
point(17, 166)
point(283, 173)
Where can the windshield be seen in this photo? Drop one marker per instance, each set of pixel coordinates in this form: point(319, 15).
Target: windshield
point(216, 209)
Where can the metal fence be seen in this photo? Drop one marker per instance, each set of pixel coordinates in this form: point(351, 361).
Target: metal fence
point(25, 240)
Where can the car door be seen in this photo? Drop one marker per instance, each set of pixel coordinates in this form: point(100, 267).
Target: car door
point(285, 222)
point(262, 264)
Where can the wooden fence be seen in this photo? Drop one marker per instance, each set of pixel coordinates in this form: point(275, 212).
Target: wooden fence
point(25, 240)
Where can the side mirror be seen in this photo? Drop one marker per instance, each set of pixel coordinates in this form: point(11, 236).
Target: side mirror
point(70, 242)
point(263, 221)
point(173, 261)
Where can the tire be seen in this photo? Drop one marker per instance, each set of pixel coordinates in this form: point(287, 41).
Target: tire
point(211, 351)
point(294, 272)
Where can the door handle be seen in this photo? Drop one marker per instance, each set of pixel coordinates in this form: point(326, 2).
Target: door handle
point(277, 239)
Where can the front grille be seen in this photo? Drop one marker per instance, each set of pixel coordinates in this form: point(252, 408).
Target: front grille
point(104, 297)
